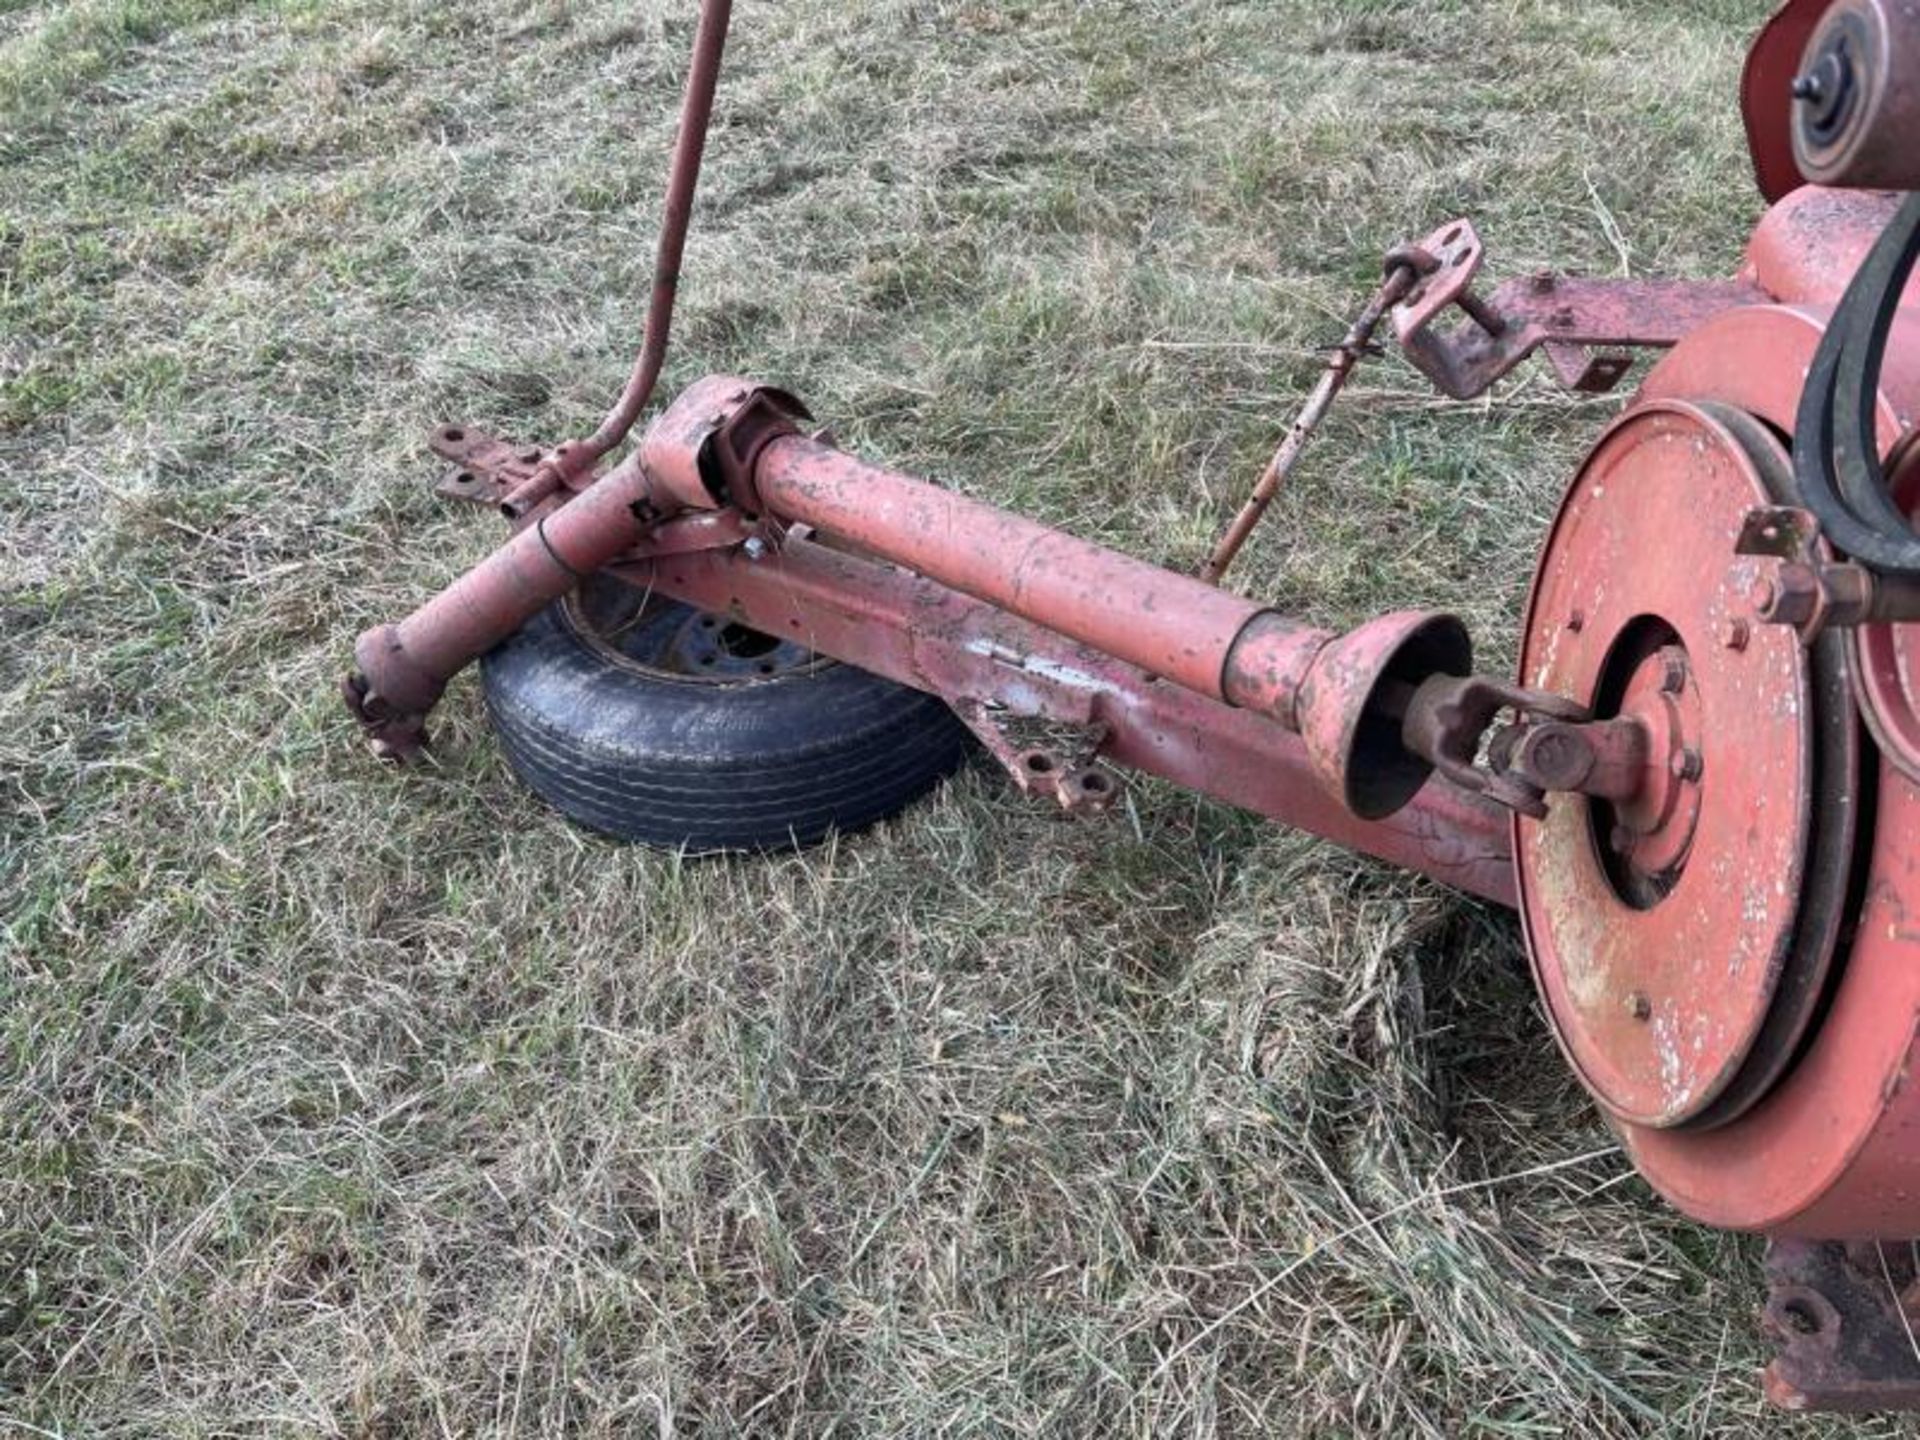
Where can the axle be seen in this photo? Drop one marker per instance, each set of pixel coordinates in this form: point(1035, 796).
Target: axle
point(728, 467)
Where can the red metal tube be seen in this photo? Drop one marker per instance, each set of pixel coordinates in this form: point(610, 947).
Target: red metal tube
point(926, 635)
point(1166, 624)
point(401, 669)
point(690, 143)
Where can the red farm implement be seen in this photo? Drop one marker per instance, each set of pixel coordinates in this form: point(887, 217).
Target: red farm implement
point(1701, 791)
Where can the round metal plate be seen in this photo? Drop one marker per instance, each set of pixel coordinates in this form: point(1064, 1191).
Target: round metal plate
point(1659, 993)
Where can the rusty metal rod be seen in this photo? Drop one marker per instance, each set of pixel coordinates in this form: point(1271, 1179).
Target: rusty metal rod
point(578, 458)
point(1333, 379)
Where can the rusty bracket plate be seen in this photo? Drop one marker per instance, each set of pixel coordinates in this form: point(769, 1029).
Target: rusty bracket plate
point(1782, 532)
point(1587, 327)
point(1046, 757)
point(1844, 1318)
point(485, 468)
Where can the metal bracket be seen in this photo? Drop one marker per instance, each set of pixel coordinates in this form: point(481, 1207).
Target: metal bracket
point(486, 468)
point(1587, 327)
point(1046, 757)
point(1844, 1317)
point(1811, 592)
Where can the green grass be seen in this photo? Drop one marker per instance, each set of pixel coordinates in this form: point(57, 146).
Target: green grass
point(346, 1101)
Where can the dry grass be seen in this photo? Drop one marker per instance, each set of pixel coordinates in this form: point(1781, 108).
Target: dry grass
point(352, 1102)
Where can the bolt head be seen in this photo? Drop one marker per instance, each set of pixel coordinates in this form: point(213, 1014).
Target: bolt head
point(755, 547)
point(1673, 670)
point(1739, 632)
point(1791, 598)
point(1639, 1006)
point(1686, 765)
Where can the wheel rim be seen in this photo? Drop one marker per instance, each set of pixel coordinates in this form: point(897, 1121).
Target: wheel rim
point(665, 640)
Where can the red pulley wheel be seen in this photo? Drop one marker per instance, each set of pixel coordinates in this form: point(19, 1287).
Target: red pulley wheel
point(1680, 938)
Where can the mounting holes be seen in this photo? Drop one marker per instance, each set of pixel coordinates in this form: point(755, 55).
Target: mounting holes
point(1801, 1317)
point(1038, 762)
point(465, 477)
point(765, 669)
point(1451, 237)
point(707, 622)
point(452, 434)
point(1094, 783)
point(744, 644)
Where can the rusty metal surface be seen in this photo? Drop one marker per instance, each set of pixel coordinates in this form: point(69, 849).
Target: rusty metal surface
point(1789, 249)
point(1856, 97)
point(1353, 703)
point(1046, 757)
point(485, 467)
point(1659, 925)
point(1341, 361)
point(1766, 95)
point(1450, 720)
point(1182, 629)
point(1573, 317)
point(708, 440)
point(1172, 625)
point(1829, 1151)
point(401, 670)
point(1806, 248)
point(1844, 1319)
point(920, 633)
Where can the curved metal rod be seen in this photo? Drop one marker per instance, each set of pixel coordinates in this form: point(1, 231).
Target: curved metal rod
point(696, 109)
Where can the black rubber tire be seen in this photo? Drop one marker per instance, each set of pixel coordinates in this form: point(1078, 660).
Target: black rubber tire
point(773, 763)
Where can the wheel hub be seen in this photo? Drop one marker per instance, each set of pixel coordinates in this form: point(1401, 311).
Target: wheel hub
point(1645, 837)
point(675, 642)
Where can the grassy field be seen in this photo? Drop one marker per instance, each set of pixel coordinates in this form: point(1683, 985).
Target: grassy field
point(338, 1100)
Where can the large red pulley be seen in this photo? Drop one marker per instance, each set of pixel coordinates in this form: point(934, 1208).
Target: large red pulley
point(1681, 933)
point(1730, 956)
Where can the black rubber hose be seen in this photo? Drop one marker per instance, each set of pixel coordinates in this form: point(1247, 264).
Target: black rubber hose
point(1836, 443)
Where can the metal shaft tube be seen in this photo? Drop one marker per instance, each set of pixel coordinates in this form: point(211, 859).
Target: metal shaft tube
point(1172, 626)
point(401, 669)
point(926, 635)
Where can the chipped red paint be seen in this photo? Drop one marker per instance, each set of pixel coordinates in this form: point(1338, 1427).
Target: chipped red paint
point(1220, 646)
point(1659, 922)
point(1719, 878)
point(931, 637)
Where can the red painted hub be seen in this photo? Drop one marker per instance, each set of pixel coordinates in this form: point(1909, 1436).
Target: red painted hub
point(1661, 925)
